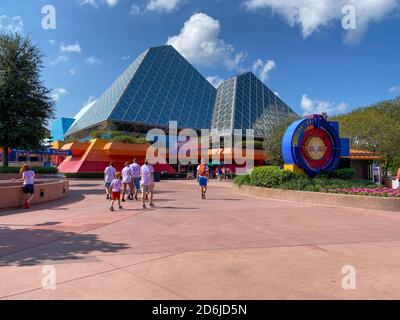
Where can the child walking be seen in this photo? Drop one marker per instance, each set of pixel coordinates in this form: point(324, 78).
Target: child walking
point(116, 186)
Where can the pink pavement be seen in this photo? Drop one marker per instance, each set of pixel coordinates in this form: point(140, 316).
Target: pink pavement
point(229, 246)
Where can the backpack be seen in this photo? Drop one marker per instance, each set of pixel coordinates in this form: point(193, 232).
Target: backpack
point(203, 170)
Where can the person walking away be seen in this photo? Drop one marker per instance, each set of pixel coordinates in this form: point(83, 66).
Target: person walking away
point(203, 175)
point(116, 187)
point(147, 183)
point(127, 181)
point(109, 176)
point(135, 168)
point(28, 187)
point(220, 173)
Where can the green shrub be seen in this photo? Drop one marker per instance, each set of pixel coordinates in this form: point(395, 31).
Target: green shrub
point(271, 177)
point(242, 180)
point(345, 174)
point(129, 139)
point(40, 170)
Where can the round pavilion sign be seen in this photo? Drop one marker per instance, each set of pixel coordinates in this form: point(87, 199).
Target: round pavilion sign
point(312, 144)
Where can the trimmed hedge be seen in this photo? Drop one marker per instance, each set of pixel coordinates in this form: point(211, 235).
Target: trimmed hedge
point(346, 174)
point(274, 177)
point(40, 170)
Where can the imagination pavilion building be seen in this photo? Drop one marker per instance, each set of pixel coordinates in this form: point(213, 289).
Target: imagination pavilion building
point(162, 86)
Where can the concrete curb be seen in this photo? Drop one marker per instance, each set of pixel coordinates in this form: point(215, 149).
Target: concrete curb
point(12, 196)
point(343, 200)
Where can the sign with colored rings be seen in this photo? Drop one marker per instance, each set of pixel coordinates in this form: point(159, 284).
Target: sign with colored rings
point(313, 144)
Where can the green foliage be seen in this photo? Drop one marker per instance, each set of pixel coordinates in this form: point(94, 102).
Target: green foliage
point(375, 128)
point(345, 174)
point(242, 180)
point(274, 177)
point(271, 177)
point(26, 105)
point(39, 170)
point(273, 143)
point(118, 136)
point(129, 139)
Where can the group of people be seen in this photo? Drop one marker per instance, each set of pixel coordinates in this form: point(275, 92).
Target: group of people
point(134, 178)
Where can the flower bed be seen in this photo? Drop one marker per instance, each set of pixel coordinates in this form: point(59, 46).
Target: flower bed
point(372, 192)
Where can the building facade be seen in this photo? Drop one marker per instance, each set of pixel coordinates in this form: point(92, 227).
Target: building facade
point(160, 86)
point(244, 102)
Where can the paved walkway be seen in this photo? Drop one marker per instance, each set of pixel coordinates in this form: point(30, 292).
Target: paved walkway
point(227, 247)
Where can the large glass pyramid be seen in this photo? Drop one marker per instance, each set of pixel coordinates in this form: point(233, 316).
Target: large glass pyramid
point(160, 86)
point(244, 102)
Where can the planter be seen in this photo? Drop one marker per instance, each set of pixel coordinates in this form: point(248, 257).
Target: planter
point(344, 200)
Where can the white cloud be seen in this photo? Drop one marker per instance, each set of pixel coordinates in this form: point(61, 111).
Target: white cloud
point(53, 42)
point(135, 10)
point(93, 60)
point(313, 15)
point(59, 59)
point(263, 69)
point(199, 42)
point(163, 5)
point(126, 57)
point(72, 71)
point(58, 93)
point(11, 24)
point(94, 3)
point(316, 106)
point(71, 48)
point(215, 81)
point(394, 89)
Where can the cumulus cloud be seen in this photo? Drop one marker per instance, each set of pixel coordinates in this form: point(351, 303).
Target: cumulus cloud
point(71, 48)
point(313, 15)
point(94, 3)
point(163, 5)
point(58, 93)
point(93, 60)
point(215, 81)
point(135, 10)
point(199, 41)
point(59, 59)
point(11, 24)
point(263, 69)
point(316, 106)
point(394, 89)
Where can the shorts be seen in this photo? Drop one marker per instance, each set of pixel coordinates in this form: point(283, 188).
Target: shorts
point(116, 195)
point(107, 185)
point(136, 182)
point(28, 188)
point(203, 181)
point(147, 188)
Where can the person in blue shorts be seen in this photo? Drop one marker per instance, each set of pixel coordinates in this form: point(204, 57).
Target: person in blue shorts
point(203, 175)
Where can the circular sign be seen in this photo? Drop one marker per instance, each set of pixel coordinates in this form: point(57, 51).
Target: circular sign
point(313, 144)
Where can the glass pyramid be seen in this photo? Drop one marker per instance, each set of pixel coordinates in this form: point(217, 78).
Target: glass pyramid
point(244, 102)
point(160, 86)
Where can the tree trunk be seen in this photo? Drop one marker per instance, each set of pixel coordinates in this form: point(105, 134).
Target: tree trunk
point(5, 156)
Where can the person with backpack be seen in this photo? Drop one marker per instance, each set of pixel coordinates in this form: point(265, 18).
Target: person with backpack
point(203, 175)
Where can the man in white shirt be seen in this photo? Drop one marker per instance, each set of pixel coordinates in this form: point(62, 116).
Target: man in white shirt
point(109, 176)
point(147, 183)
point(135, 169)
point(127, 181)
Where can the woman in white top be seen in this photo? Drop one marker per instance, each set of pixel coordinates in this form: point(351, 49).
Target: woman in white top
point(28, 187)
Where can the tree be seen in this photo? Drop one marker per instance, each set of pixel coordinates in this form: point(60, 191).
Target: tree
point(375, 128)
point(273, 143)
point(25, 103)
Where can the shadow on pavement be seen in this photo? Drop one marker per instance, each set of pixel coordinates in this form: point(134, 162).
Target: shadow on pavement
point(29, 247)
point(73, 196)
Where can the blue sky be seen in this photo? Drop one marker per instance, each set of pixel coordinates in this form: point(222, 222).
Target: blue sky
point(298, 48)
